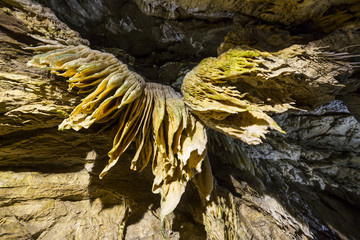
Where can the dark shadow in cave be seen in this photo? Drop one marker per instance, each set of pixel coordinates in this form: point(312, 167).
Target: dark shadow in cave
point(152, 41)
point(312, 206)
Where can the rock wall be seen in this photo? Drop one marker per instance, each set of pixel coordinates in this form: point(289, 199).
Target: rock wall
point(302, 185)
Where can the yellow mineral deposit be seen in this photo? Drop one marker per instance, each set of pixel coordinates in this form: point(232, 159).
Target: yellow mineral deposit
point(218, 91)
point(237, 92)
point(151, 115)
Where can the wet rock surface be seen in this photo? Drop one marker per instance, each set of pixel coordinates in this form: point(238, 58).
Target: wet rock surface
point(302, 185)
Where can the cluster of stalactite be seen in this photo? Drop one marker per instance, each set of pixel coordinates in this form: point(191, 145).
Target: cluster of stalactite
point(150, 115)
point(235, 94)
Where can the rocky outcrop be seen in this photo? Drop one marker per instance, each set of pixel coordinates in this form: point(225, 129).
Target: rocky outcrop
point(302, 185)
point(311, 172)
point(283, 11)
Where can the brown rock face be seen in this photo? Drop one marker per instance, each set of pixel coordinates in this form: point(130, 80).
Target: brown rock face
point(302, 185)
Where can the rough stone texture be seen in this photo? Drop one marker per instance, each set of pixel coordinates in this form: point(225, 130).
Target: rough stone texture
point(314, 169)
point(153, 41)
point(282, 11)
point(302, 185)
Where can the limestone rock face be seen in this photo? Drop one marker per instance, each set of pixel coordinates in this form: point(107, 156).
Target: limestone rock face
point(282, 11)
point(154, 41)
point(299, 185)
point(313, 173)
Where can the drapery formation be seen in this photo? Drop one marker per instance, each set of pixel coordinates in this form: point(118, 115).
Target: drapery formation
point(150, 115)
point(235, 94)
